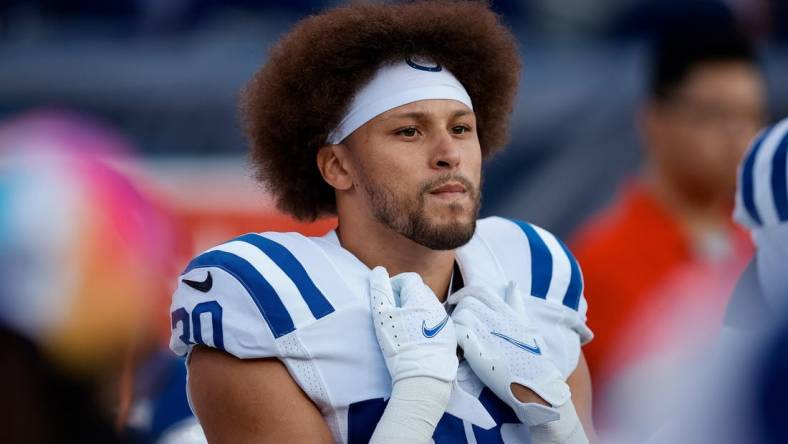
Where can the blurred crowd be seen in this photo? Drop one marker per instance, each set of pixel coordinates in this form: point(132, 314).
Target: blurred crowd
point(562, 19)
point(687, 303)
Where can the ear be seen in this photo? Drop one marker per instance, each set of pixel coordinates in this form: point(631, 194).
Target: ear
point(333, 163)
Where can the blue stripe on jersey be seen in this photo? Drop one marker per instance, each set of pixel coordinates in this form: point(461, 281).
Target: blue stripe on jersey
point(779, 183)
point(450, 430)
point(362, 417)
point(262, 292)
point(314, 298)
point(541, 261)
point(748, 178)
point(500, 412)
point(575, 289)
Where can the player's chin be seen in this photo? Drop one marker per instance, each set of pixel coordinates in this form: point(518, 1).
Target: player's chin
point(455, 213)
point(453, 218)
point(447, 234)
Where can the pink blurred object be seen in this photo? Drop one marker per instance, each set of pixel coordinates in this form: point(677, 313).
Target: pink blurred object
point(52, 129)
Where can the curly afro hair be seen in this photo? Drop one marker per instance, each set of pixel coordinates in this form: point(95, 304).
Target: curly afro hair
point(299, 96)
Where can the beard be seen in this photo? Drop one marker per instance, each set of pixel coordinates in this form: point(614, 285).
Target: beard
point(407, 216)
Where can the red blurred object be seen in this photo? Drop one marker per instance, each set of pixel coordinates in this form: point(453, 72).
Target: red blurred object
point(640, 273)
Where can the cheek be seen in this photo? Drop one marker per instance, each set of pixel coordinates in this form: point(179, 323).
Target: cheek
point(387, 176)
point(383, 157)
point(473, 164)
point(695, 148)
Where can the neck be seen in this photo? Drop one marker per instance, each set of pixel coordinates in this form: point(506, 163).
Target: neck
point(697, 218)
point(377, 245)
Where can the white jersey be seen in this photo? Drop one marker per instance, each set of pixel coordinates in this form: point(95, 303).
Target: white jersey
point(304, 300)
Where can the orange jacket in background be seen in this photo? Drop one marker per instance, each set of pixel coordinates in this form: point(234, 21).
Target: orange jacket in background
point(630, 254)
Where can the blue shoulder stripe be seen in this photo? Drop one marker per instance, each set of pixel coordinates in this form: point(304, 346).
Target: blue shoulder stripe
point(262, 292)
point(575, 289)
point(541, 261)
point(284, 259)
point(748, 179)
point(779, 183)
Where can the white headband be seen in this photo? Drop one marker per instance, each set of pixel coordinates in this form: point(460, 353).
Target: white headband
point(395, 85)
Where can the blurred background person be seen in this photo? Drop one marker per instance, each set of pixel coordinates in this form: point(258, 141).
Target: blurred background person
point(662, 259)
point(83, 288)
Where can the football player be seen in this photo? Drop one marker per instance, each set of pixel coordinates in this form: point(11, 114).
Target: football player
point(752, 351)
point(381, 116)
point(762, 207)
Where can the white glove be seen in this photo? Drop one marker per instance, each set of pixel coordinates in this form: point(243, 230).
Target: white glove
point(420, 349)
point(413, 329)
point(503, 347)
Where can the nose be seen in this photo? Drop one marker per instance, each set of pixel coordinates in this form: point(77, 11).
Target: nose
point(446, 152)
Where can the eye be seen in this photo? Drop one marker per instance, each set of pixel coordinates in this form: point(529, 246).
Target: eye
point(461, 129)
point(407, 132)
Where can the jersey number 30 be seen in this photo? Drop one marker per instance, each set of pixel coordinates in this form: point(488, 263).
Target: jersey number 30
point(200, 314)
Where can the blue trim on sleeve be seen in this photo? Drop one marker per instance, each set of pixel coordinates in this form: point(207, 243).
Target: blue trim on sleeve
point(314, 298)
point(779, 183)
point(748, 179)
point(575, 289)
point(541, 261)
point(262, 293)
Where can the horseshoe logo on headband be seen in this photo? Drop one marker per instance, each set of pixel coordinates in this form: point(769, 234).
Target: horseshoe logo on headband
point(423, 64)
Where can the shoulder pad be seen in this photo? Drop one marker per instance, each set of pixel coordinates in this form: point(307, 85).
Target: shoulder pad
point(242, 296)
point(554, 272)
point(546, 270)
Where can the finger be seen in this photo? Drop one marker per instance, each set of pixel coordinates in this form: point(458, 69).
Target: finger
point(469, 342)
point(550, 388)
point(465, 319)
point(478, 292)
point(514, 298)
point(474, 305)
point(463, 335)
point(484, 295)
point(380, 287)
point(408, 286)
point(456, 297)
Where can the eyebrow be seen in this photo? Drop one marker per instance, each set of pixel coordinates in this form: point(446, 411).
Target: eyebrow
point(418, 115)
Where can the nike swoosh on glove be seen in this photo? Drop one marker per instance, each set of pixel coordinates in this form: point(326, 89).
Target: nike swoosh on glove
point(412, 327)
point(503, 347)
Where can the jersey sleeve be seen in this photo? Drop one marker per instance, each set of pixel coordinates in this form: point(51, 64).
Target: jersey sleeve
point(243, 297)
point(221, 313)
point(552, 280)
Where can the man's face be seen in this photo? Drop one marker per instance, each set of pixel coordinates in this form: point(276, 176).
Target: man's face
point(418, 169)
point(701, 132)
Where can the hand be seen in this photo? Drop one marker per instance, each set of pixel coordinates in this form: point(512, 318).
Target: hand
point(503, 348)
point(415, 333)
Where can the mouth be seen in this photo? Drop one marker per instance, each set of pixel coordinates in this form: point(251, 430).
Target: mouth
point(450, 190)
